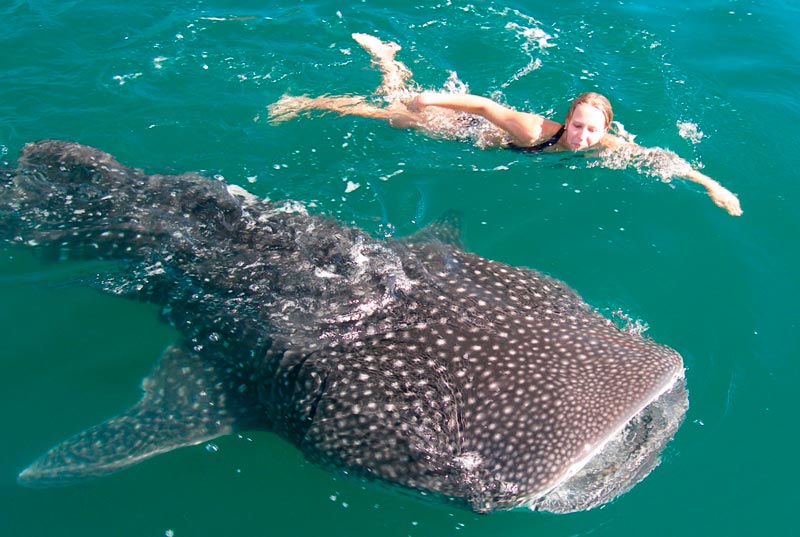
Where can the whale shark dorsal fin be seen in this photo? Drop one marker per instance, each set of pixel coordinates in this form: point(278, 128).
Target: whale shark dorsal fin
point(186, 401)
point(445, 229)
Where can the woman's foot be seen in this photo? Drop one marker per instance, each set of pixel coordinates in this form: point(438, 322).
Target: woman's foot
point(288, 107)
point(378, 49)
point(395, 73)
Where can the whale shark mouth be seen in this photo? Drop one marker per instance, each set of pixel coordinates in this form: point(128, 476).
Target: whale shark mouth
point(623, 460)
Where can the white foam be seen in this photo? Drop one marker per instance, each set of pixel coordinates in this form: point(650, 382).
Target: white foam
point(689, 131)
point(239, 192)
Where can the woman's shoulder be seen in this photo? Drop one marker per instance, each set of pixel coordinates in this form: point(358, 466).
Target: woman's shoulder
point(550, 127)
point(547, 129)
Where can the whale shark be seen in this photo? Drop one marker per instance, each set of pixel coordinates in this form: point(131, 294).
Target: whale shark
point(403, 361)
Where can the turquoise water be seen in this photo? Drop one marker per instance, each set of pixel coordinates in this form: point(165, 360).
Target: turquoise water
point(183, 85)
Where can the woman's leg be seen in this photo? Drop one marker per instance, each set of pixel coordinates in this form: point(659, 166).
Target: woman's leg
point(394, 84)
point(289, 107)
point(396, 76)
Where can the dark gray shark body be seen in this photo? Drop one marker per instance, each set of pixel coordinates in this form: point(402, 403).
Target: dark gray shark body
point(411, 362)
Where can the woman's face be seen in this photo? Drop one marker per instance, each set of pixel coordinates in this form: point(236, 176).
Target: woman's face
point(585, 128)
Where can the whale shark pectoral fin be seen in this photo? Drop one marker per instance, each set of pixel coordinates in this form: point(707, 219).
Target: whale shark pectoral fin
point(186, 401)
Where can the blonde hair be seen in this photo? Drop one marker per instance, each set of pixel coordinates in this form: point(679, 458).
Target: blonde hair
point(592, 99)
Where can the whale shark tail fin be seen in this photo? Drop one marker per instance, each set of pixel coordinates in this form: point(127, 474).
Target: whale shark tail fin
point(186, 401)
point(72, 201)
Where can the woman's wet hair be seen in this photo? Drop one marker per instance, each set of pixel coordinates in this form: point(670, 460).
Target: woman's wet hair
point(596, 100)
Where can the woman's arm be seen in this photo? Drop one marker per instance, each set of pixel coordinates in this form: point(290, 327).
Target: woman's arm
point(524, 127)
point(677, 167)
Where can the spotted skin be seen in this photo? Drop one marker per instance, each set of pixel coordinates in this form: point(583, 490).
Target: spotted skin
point(411, 362)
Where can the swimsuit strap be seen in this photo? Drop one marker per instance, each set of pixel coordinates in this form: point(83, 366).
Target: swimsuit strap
point(553, 140)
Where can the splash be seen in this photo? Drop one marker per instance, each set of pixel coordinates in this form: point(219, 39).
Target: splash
point(123, 79)
point(534, 41)
point(453, 84)
point(689, 131)
point(619, 129)
point(529, 30)
point(626, 323)
point(651, 162)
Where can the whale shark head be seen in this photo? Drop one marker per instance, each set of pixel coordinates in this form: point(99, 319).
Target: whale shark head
point(411, 361)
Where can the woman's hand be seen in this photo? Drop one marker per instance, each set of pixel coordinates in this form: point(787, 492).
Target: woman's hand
point(720, 195)
point(725, 198)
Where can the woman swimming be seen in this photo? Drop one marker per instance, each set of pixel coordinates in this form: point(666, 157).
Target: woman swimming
point(453, 115)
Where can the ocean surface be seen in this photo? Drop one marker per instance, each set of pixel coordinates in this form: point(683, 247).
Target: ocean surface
point(172, 86)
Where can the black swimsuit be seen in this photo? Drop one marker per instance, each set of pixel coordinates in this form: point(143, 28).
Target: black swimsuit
point(538, 148)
